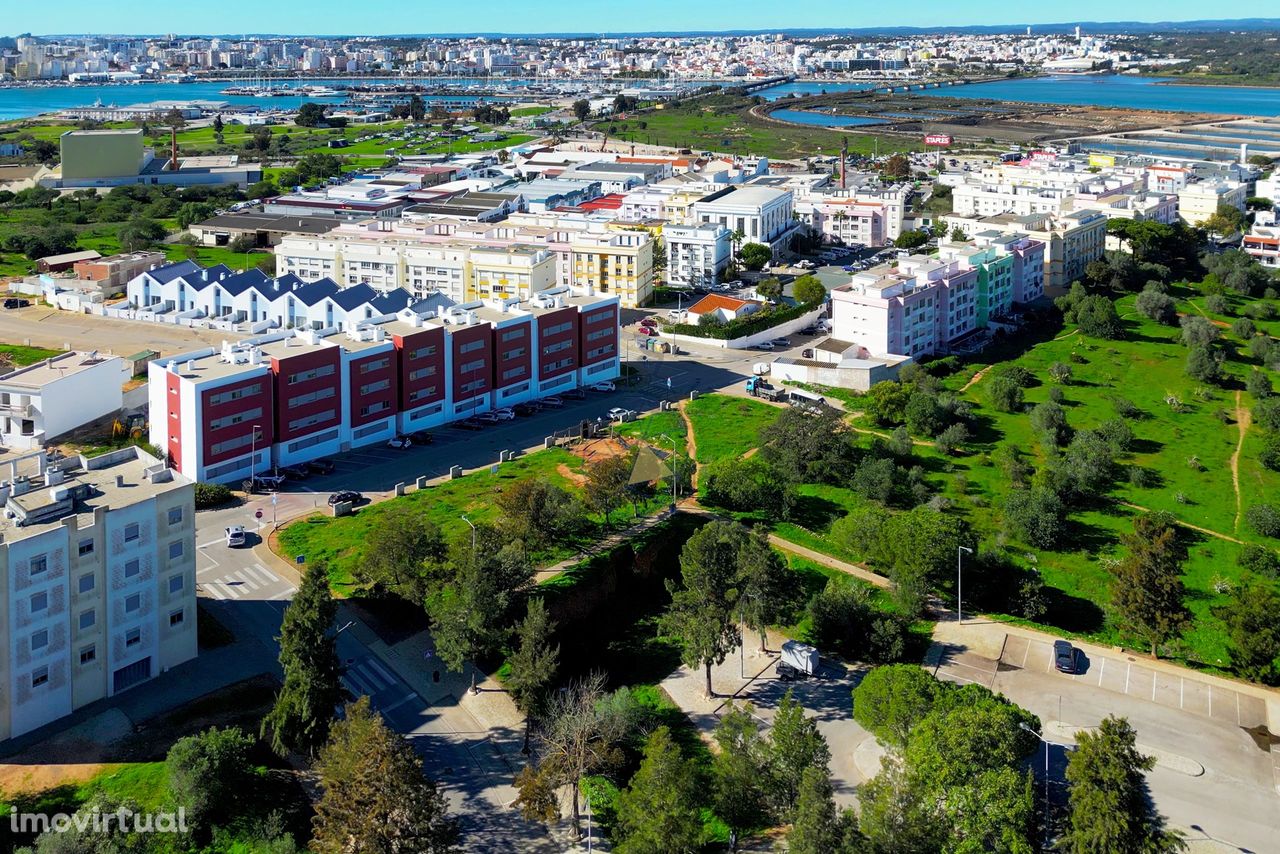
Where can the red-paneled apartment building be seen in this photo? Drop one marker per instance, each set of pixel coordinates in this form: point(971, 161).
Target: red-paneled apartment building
point(292, 396)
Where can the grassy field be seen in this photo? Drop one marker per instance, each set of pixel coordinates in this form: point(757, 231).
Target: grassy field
point(725, 427)
point(722, 123)
point(21, 355)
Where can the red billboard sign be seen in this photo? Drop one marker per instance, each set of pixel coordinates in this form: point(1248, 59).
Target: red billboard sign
point(937, 139)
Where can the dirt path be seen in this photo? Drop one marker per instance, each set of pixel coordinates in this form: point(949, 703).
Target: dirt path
point(1067, 335)
point(691, 445)
point(973, 380)
point(751, 452)
point(1244, 418)
point(1187, 525)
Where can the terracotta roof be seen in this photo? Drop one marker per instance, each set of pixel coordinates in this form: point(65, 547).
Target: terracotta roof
point(711, 302)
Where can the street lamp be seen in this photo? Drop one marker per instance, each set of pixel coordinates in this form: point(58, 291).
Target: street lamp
point(253, 453)
point(473, 532)
point(959, 598)
point(1046, 743)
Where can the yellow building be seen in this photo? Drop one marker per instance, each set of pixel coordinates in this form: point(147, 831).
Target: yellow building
point(498, 272)
point(618, 263)
point(97, 154)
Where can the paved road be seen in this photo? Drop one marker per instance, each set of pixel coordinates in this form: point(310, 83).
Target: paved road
point(1211, 770)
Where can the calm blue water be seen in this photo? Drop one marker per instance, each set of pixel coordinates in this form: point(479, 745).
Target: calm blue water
point(1118, 90)
point(809, 117)
point(17, 103)
point(1114, 90)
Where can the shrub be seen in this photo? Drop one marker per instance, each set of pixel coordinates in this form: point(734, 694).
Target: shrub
point(1264, 519)
point(1217, 304)
point(211, 495)
point(1259, 560)
point(1157, 305)
point(1243, 328)
point(1005, 394)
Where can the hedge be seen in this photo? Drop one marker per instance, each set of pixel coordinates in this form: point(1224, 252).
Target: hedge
point(743, 326)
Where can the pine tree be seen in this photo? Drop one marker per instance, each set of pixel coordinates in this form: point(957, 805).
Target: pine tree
point(767, 590)
point(304, 707)
point(739, 772)
point(1148, 592)
point(794, 745)
point(817, 827)
point(533, 664)
point(658, 813)
point(376, 797)
point(701, 613)
point(1109, 807)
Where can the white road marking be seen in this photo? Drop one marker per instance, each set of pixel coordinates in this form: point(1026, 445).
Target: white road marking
point(245, 581)
point(380, 670)
point(412, 695)
point(372, 678)
point(284, 594)
point(1128, 668)
point(355, 686)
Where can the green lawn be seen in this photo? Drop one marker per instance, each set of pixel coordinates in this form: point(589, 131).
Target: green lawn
point(722, 123)
point(338, 542)
point(22, 355)
point(726, 427)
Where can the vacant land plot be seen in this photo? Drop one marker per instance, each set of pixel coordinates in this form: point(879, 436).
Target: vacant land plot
point(726, 427)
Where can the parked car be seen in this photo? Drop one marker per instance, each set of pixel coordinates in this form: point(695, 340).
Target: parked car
point(235, 536)
point(485, 418)
point(468, 424)
point(574, 394)
point(781, 343)
point(607, 385)
point(400, 442)
point(763, 345)
point(1064, 656)
point(14, 302)
point(554, 401)
point(422, 437)
point(525, 409)
point(619, 414)
point(298, 472)
point(263, 483)
point(345, 496)
point(320, 467)
point(506, 413)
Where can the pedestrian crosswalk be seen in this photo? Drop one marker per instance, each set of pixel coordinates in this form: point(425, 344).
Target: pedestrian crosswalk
point(252, 582)
point(367, 677)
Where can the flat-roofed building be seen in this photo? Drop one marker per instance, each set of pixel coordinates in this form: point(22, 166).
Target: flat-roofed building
point(51, 398)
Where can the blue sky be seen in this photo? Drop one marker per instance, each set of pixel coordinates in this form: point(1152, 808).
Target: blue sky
point(378, 17)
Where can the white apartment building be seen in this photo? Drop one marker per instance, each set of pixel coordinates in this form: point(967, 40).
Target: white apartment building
point(51, 398)
point(1200, 200)
point(914, 306)
point(100, 592)
point(696, 254)
point(991, 199)
point(760, 214)
point(1071, 240)
point(1263, 243)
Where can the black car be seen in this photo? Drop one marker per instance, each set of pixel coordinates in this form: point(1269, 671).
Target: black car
point(469, 424)
point(526, 409)
point(295, 472)
point(422, 437)
point(14, 302)
point(345, 496)
point(574, 394)
point(320, 467)
point(1064, 656)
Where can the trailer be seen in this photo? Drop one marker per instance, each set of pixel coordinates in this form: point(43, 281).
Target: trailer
point(798, 661)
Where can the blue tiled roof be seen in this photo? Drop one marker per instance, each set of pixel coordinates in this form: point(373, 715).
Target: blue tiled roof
point(390, 302)
point(354, 296)
point(311, 293)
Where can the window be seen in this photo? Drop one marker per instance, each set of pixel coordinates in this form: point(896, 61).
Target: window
point(39, 676)
point(39, 640)
point(423, 352)
point(236, 418)
point(133, 637)
point(374, 365)
point(598, 334)
point(512, 335)
point(311, 420)
point(600, 316)
point(232, 444)
point(175, 515)
point(468, 367)
point(422, 373)
point(175, 550)
point(88, 619)
point(311, 397)
point(313, 373)
point(38, 564)
point(556, 347)
point(175, 583)
point(421, 393)
point(234, 394)
point(514, 354)
point(474, 385)
point(132, 568)
point(371, 388)
point(131, 532)
point(86, 548)
point(39, 602)
point(556, 330)
point(133, 602)
point(374, 408)
point(88, 654)
point(175, 618)
point(86, 582)
point(514, 373)
point(471, 347)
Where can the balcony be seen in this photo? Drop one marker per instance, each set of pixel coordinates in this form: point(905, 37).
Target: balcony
point(18, 410)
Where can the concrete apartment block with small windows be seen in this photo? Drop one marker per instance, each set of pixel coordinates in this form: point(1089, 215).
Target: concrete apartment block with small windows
point(696, 254)
point(99, 557)
point(51, 398)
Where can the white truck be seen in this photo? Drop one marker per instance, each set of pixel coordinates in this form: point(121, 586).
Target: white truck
point(799, 660)
point(760, 368)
